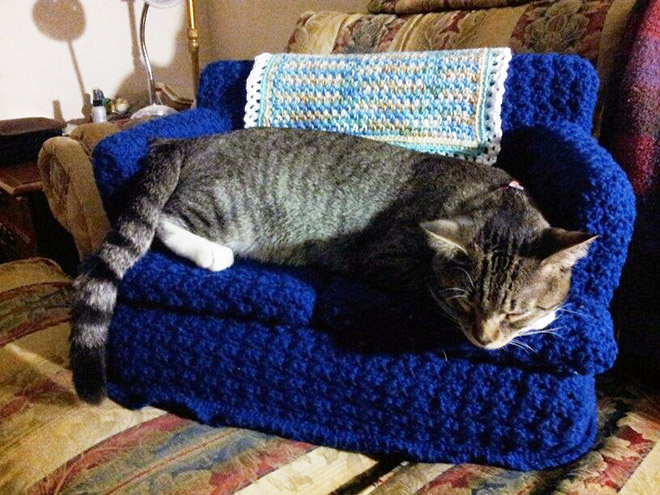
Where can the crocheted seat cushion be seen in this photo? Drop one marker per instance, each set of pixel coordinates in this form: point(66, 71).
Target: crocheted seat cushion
point(301, 383)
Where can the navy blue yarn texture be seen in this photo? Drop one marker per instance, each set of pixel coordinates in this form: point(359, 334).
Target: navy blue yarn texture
point(318, 358)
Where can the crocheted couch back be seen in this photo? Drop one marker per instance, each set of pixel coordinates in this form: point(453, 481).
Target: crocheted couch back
point(539, 90)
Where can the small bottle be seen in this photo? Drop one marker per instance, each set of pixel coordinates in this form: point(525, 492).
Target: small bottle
point(98, 109)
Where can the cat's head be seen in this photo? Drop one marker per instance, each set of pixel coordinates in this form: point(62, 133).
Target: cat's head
point(499, 283)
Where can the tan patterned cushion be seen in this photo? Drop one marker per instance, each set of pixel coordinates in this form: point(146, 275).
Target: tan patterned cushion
point(590, 28)
point(68, 183)
point(421, 6)
point(51, 443)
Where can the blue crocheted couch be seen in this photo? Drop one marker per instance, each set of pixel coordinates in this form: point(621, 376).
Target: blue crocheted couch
point(322, 359)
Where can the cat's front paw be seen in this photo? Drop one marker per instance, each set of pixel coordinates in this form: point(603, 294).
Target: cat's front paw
point(222, 258)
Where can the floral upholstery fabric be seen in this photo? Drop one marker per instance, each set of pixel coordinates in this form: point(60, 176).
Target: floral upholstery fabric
point(593, 29)
point(420, 6)
point(51, 443)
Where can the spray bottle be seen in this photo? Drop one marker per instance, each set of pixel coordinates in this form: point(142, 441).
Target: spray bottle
point(98, 109)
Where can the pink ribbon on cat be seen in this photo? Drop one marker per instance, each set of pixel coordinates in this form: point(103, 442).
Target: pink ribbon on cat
point(514, 184)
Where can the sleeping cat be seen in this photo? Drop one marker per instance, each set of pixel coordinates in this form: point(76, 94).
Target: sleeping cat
point(465, 234)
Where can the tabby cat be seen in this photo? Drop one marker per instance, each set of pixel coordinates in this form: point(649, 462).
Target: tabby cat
point(395, 218)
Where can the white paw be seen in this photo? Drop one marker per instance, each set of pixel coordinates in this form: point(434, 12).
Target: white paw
point(201, 255)
point(223, 257)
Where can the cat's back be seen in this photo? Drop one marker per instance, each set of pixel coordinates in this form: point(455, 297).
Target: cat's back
point(289, 147)
point(322, 155)
point(305, 168)
point(294, 185)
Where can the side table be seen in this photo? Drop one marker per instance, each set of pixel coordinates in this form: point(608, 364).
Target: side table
point(27, 227)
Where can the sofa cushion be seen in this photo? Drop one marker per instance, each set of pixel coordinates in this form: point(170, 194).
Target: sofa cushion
point(248, 290)
point(593, 29)
point(420, 6)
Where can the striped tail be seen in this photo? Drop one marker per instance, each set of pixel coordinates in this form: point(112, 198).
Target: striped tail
point(100, 275)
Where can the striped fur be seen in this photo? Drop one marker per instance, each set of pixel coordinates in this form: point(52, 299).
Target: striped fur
point(96, 285)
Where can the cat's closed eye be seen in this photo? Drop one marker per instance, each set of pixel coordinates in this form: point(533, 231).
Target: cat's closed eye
point(463, 303)
point(515, 317)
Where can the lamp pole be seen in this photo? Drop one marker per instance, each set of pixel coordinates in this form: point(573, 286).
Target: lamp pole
point(145, 54)
point(193, 43)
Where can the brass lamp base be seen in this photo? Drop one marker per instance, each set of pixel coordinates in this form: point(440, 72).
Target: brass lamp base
point(193, 43)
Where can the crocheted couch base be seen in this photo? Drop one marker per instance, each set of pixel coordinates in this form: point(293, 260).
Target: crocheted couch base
point(303, 384)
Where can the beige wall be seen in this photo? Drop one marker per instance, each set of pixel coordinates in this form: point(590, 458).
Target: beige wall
point(53, 52)
point(241, 29)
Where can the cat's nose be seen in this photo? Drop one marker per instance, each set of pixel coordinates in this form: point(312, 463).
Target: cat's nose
point(490, 342)
point(486, 339)
point(487, 331)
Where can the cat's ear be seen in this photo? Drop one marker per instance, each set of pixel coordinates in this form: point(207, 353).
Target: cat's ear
point(563, 248)
point(448, 237)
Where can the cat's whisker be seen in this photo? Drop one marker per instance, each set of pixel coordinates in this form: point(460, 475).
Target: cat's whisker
point(446, 309)
point(452, 289)
point(579, 313)
point(536, 332)
point(524, 346)
point(517, 344)
point(469, 277)
point(552, 330)
point(458, 296)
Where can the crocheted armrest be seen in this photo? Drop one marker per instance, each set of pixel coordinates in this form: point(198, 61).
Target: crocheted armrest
point(578, 186)
point(117, 158)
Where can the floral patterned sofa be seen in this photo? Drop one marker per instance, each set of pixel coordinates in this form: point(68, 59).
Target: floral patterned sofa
point(52, 443)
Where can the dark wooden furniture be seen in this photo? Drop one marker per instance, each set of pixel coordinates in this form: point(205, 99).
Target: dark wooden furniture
point(27, 228)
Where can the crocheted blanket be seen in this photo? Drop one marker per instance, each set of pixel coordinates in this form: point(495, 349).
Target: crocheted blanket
point(446, 102)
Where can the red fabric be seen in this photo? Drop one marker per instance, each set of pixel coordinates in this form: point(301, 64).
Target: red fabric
point(638, 155)
point(635, 141)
